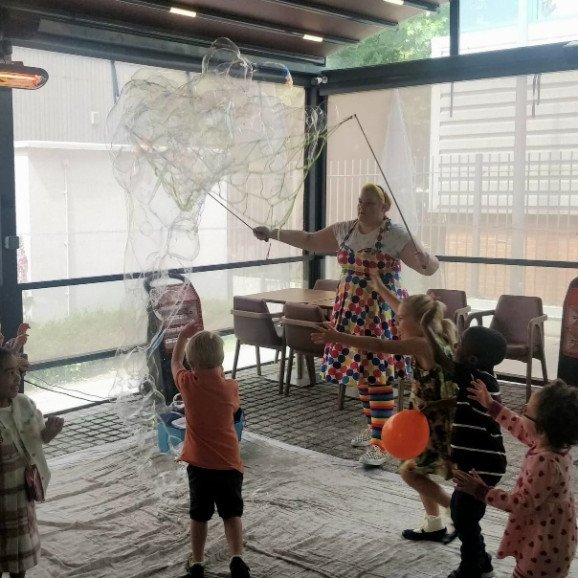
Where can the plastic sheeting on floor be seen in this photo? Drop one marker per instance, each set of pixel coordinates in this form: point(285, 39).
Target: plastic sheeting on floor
point(306, 515)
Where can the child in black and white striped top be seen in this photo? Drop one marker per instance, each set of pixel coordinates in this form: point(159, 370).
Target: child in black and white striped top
point(476, 440)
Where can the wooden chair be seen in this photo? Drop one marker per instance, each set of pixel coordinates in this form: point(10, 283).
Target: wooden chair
point(253, 324)
point(300, 321)
point(520, 320)
point(457, 308)
point(326, 284)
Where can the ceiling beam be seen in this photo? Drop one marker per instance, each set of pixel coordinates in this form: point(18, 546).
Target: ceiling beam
point(422, 5)
point(131, 29)
point(325, 10)
point(242, 21)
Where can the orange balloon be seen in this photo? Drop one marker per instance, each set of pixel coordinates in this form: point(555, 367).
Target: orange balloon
point(406, 434)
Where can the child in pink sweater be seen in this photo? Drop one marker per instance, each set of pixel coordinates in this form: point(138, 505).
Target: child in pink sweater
point(541, 530)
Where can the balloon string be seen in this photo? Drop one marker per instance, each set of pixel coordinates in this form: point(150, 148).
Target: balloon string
point(387, 184)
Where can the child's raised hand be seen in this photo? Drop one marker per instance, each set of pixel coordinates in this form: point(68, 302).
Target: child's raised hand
point(375, 281)
point(479, 393)
point(190, 329)
point(16, 344)
point(23, 364)
point(326, 334)
point(469, 483)
point(22, 329)
point(53, 426)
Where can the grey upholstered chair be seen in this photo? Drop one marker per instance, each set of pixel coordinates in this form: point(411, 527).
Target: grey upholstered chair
point(300, 321)
point(253, 324)
point(456, 303)
point(520, 320)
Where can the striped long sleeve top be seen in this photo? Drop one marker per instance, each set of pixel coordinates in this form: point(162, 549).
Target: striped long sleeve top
point(476, 439)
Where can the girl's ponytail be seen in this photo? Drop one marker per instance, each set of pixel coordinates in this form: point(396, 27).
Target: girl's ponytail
point(449, 331)
point(419, 305)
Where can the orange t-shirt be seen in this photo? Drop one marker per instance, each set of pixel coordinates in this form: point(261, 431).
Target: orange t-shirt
point(210, 404)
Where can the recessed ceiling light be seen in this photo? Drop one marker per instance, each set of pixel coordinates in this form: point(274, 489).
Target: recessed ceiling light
point(312, 38)
point(182, 12)
point(396, 2)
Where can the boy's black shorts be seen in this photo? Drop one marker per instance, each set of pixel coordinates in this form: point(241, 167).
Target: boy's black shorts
point(208, 488)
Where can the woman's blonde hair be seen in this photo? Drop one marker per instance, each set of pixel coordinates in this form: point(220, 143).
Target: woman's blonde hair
point(380, 192)
point(419, 305)
point(205, 350)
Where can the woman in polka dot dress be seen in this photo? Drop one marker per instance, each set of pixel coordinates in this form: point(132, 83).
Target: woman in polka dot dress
point(541, 530)
point(369, 243)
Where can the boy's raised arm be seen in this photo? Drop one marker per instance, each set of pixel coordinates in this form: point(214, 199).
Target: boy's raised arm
point(179, 350)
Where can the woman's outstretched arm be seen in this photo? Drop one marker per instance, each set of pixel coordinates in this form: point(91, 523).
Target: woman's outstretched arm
point(419, 259)
point(323, 241)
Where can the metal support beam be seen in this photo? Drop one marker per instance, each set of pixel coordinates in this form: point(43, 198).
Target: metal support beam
point(454, 27)
point(422, 5)
point(512, 62)
point(61, 31)
point(305, 5)
point(314, 198)
point(10, 294)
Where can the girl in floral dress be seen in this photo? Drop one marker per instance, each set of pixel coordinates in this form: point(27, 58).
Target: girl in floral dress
point(369, 243)
point(431, 392)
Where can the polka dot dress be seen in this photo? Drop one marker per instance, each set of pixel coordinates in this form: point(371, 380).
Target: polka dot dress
point(359, 311)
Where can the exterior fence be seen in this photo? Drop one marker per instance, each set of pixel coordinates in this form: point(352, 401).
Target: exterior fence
point(482, 205)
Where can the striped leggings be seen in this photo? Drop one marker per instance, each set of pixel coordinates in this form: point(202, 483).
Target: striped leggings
point(378, 405)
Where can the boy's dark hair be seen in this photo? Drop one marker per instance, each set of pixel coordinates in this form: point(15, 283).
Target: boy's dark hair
point(482, 347)
point(556, 414)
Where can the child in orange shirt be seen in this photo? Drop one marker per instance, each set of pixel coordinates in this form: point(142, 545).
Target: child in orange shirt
point(211, 447)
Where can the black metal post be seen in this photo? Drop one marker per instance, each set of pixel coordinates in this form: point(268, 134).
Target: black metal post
point(454, 27)
point(10, 293)
point(314, 197)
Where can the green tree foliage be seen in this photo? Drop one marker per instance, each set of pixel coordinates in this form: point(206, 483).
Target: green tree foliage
point(410, 41)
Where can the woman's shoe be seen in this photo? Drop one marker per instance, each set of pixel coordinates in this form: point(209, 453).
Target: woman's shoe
point(362, 440)
point(373, 457)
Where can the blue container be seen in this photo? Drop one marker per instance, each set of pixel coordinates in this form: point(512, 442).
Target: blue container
point(176, 436)
point(239, 423)
point(166, 432)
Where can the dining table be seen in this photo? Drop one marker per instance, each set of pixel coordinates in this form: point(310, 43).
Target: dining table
point(322, 298)
point(325, 300)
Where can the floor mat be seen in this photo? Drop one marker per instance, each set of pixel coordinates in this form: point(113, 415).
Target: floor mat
point(306, 514)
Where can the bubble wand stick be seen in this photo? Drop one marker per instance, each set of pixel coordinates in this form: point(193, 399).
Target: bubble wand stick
point(417, 251)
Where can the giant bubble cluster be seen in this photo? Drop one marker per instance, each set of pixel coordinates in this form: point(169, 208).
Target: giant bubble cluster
point(177, 140)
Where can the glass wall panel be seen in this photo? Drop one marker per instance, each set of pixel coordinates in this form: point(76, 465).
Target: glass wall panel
point(485, 168)
point(487, 25)
point(415, 38)
point(71, 212)
point(74, 220)
point(83, 319)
